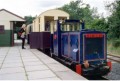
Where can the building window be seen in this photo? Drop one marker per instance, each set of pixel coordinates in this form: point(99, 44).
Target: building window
point(2, 29)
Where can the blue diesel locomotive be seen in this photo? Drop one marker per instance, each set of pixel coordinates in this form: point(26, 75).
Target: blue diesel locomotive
point(85, 50)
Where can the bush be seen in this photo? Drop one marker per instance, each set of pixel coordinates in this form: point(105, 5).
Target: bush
point(116, 43)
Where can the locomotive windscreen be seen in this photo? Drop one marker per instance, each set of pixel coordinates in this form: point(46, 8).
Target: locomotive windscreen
point(94, 48)
point(93, 45)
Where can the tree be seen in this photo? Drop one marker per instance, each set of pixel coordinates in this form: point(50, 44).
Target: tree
point(114, 19)
point(73, 9)
point(29, 19)
point(100, 24)
point(81, 11)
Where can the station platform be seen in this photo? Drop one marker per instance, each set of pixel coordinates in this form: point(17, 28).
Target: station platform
point(31, 64)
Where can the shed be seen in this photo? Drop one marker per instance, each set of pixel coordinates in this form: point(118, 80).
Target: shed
point(9, 24)
point(42, 21)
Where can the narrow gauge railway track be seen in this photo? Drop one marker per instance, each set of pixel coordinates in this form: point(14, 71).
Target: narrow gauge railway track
point(114, 58)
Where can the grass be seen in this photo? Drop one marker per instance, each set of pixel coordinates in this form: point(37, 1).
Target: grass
point(112, 49)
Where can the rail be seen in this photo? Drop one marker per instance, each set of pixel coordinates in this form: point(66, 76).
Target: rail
point(115, 58)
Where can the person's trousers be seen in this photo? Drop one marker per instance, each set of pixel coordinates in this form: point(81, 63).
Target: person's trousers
point(23, 42)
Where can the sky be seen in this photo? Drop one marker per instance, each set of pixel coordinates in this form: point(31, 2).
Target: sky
point(35, 7)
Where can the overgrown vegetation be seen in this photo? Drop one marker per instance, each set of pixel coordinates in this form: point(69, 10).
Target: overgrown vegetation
point(116, 43)
point(113, 49)
point(114, 27)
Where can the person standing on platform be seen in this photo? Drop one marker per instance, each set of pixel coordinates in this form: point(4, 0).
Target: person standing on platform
point(22, 35)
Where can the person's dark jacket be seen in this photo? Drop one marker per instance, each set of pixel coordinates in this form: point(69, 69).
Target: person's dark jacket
point(21, 31)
